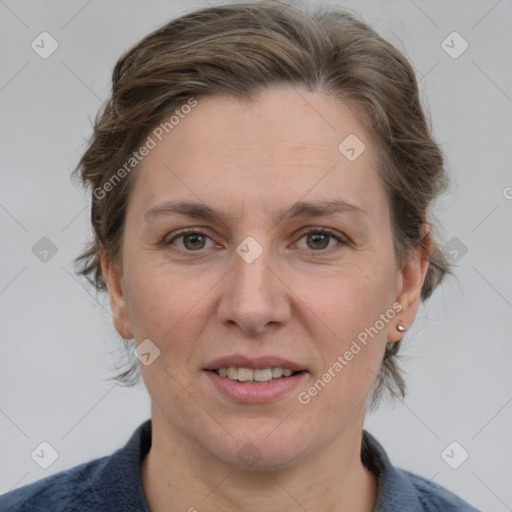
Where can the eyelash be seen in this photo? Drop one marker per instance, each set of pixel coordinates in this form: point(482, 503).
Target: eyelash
point(342, 241)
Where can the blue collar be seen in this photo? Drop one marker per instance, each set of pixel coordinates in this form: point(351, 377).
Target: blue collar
point(120, 484)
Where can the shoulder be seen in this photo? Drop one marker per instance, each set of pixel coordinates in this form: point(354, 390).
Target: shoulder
point(399, 489)
point(73, 489)
point(434, 497)
point(107, 484)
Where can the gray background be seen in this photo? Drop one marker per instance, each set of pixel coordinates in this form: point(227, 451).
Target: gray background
point(59, 347)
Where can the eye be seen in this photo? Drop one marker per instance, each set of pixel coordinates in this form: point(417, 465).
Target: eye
point(319, 239)
point(191, 240)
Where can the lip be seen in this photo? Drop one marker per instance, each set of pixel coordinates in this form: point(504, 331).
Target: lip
point(255, 393)
point(253, 363)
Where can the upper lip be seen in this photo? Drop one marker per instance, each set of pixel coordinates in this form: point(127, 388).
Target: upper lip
point(254, 363)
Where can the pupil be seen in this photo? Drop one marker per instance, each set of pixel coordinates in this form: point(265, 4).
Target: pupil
point(319, 237)
point(194, 239)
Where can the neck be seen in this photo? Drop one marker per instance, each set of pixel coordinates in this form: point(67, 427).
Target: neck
point(334, 479)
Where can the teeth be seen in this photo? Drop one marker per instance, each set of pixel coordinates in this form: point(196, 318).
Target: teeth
point(245, 374)
point(262, 375)
point(249, 375)
point(277, 373)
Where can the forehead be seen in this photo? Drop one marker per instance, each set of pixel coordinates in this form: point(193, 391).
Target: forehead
point(286, 143)
point(285, 118)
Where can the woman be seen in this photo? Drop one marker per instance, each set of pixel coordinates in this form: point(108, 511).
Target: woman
point(260, 184)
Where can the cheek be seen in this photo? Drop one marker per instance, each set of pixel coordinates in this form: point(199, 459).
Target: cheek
point(351, 301)
point(169, 312)
point(354, 313)
point(168, 305)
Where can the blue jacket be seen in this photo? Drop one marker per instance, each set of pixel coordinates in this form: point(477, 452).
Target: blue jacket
point(113, 484)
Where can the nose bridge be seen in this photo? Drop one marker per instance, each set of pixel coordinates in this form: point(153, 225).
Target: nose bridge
point(251, 272)
point(253, 298)
point(252, 284)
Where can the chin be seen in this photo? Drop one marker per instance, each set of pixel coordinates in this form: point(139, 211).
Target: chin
point(270, 447)
point(255, 457)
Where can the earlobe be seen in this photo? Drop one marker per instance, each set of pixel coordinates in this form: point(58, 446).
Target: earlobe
point(411, 279)
point(398, 332)
point(118, 303)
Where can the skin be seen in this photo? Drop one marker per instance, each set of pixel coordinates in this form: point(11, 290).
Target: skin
point(297, 300)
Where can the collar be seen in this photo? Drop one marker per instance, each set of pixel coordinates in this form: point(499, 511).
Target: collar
point(395, 491)
point(121, 486)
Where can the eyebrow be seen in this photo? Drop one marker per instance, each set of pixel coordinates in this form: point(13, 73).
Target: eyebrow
point(299, 209)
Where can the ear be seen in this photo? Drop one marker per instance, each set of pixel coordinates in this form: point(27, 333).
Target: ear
point(409, 283)
point(118, 303)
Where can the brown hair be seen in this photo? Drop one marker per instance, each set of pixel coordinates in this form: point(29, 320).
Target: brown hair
point(237, 50)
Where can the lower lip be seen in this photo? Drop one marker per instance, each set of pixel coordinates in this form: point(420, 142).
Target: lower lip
point(255, 393)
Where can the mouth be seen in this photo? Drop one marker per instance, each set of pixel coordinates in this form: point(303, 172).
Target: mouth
point(254, 380)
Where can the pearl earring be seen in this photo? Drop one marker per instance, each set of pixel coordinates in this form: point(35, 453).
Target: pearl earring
point(400, 328)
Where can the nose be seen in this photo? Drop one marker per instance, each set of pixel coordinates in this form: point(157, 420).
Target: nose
point(254, 297)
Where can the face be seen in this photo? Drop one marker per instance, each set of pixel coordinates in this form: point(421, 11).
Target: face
point(287, 260)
